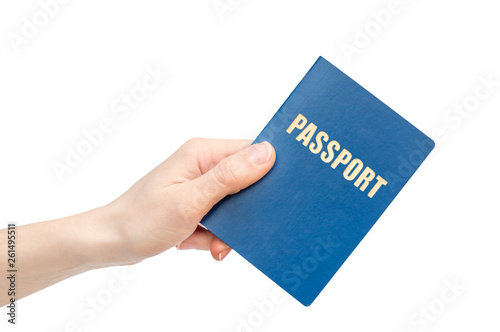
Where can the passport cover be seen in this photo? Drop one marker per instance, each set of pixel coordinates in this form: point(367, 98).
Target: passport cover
point(342, 156)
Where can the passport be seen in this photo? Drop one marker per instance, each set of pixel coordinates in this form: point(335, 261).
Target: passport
point(342, 156)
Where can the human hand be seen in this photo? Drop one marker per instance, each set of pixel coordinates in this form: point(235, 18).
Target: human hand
point(161, 210)
point(164, 208)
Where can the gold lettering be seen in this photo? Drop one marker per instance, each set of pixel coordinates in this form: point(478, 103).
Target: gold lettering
point(332, 145)
point(353, 169)
point(299, 123)
point(344, 157)
point(316, 148)
point(307, 134)
point(381, 182)
point(367, 176)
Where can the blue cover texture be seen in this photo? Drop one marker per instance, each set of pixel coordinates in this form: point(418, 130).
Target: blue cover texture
point(342, 156)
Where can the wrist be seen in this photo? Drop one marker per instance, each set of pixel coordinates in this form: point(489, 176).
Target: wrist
point(105, 237)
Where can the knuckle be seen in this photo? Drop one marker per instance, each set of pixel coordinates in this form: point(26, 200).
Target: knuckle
point(189, 209)
point(192, 143)
point(226, 173)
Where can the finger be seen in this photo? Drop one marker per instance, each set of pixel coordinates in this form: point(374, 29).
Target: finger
point(219, 249)
point(209, 152)
point(199, 155)
point(201, 239)
point(230, 175)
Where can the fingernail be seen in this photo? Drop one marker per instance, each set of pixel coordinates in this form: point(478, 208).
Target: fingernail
point(260, 153)
point(185, 246)
point(224, 253)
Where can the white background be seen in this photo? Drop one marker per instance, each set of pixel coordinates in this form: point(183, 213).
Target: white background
point(227, 77)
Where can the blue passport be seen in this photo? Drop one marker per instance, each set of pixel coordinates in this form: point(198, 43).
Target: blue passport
point(342, 156)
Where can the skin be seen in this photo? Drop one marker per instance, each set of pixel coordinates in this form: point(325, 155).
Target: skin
point(160, 211)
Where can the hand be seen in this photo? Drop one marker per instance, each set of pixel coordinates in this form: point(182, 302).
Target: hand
point(161, 210)
point(164, 208)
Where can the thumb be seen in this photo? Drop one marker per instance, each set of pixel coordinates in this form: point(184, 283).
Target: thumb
point(231, 175)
